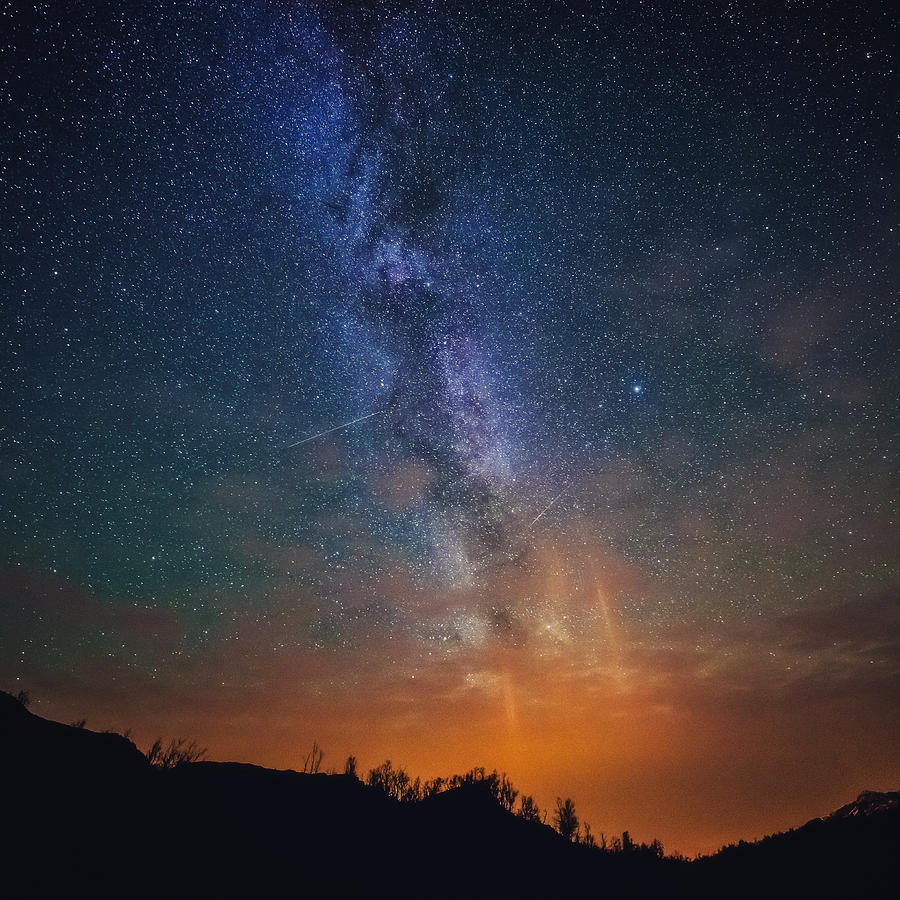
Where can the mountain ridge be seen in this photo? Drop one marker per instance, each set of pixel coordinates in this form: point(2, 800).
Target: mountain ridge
point(93, 804)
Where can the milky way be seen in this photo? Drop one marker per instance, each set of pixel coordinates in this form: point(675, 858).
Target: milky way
point(505, 384)
point(401, 150)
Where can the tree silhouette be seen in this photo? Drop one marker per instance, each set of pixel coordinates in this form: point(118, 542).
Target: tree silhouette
point(507, 793)
point(528, 809)
point(412, 792)
point(433, 786)
point(498, 786)
point(566, 819)
point(386, 779)
point(397, 784)
point(350, 766)
point(401, 784)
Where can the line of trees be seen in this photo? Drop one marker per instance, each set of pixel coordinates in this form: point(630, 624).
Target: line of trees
point(397, 784)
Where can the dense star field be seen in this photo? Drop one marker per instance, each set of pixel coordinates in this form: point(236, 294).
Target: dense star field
point(465, 384)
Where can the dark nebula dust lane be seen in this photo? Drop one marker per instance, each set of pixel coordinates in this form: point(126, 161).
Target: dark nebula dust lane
point(461, 385)
point(401, 173)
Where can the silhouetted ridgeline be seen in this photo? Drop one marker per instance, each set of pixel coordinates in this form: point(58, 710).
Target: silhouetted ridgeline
point(87, 813)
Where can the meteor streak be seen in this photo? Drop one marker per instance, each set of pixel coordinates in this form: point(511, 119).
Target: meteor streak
point(312, 437)
point(533, 522)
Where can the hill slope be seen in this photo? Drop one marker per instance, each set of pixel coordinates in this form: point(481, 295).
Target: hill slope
point(88, 810)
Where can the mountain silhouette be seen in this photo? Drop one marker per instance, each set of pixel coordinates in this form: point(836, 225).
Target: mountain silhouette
point(86, 812)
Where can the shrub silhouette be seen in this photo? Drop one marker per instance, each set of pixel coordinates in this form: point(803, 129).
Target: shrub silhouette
point(178, 753)
point(312, 762)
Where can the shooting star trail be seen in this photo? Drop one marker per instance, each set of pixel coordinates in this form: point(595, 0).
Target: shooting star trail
point(534, 521)
point(312, 437)
point(513, 554)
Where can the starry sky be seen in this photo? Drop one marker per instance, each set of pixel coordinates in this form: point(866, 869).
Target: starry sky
point(465, 384)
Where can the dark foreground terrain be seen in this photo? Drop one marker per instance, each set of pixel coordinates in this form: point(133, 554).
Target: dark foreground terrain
point(86, 814)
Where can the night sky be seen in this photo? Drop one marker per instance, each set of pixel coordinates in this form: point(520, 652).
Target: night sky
point(461, 383)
